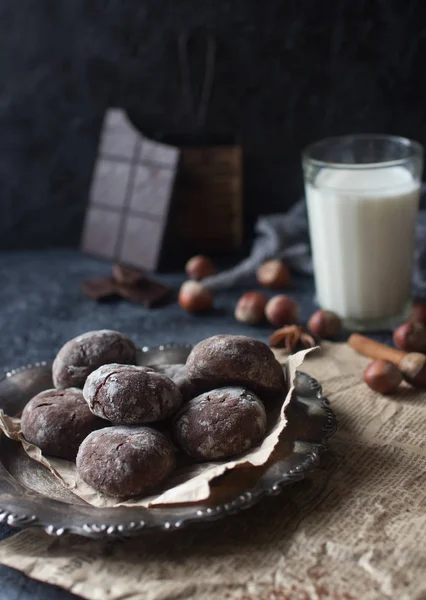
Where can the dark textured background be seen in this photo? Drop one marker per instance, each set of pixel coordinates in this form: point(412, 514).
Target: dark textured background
point(288, 72)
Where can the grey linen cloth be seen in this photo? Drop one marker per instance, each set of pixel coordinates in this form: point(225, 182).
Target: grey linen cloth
point(286, 236)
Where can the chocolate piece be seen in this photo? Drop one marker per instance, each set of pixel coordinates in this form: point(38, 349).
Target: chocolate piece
point(126, 275)
point(101, 288)
point(146, 291)
point(130, 284)
point(137, 287)
point(130, 197)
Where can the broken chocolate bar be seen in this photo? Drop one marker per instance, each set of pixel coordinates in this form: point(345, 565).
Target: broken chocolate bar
point(130, 197)
point(101, 288)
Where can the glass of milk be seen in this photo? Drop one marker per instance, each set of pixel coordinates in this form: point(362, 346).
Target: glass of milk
point(362, 194)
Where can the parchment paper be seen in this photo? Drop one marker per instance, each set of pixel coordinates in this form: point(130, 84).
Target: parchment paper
point(355, 530)
point(188, 483)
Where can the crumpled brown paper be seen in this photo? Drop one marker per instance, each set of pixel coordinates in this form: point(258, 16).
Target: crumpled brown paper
point(11, 427)
point(187, 484)
point(355, 529)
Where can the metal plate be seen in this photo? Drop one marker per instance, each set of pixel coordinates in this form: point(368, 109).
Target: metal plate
point(31, 497)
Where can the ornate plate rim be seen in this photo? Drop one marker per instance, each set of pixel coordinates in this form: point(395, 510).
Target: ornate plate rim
point(244, 501)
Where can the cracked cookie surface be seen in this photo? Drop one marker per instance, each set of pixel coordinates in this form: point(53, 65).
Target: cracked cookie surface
point(130, 395)
point(57, 421)
point(85, 353)
point(238, 360)
point(125, 461)
point(220, 423)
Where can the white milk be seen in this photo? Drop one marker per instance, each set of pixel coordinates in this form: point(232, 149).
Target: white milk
point(362, 233)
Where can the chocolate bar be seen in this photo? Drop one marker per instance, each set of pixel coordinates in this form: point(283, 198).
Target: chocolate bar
point(130, 197)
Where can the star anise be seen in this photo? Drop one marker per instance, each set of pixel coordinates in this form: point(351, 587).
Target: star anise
point(293, 338)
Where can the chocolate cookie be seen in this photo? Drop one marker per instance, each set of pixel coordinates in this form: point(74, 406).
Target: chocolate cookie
point(125, 461)
point(235, 360)
point(220, 423)
point(85, 353)
point(57, 421)
point(177, 373)
point(129, 395)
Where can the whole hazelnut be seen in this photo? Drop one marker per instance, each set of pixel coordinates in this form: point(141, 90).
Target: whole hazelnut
point(282, 310)
point(324, 324)
point(382, 376)
point(194, 297)
point(418, 313)
point(413, 368)
point(251, 308)
point(273, 274)
point(410, 337)
point(199, 267)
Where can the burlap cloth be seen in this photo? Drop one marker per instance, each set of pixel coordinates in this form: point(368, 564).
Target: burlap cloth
point(356, 529)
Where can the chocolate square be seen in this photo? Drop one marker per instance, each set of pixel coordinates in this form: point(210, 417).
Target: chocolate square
point(110, 183)
point(101, 232)
point(152, 190)
point(146, 291)
point(159, 154)
point(101, 288)
point(141, 242)
point(126, 275)
point(119, 139)
point(127, 283)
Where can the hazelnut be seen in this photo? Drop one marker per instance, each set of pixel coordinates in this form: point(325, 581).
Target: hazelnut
point(194, 297)
point(251, 308)
point(410, 337)
point(418, 313)
point(199, 267)
point(282, 310)
point(273, 274)
point(382, 376)
point(324, 324)
point(413, 368)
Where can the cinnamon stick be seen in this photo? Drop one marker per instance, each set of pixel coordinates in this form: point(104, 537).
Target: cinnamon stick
point(373, 349)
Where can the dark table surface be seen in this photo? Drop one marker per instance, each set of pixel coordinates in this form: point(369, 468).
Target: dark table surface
point(41, 307)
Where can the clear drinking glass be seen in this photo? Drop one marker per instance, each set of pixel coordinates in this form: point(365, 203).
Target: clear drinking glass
point(362, 194)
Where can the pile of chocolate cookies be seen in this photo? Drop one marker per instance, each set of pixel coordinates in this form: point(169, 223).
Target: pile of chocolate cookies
point(97, 415)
